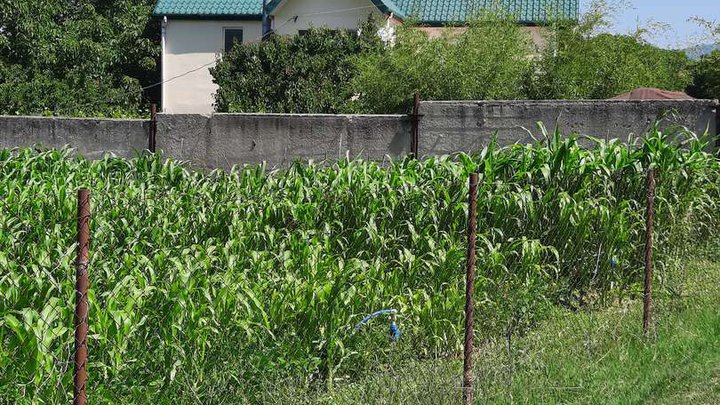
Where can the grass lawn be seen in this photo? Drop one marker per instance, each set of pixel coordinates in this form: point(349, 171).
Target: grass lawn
point(592, 357)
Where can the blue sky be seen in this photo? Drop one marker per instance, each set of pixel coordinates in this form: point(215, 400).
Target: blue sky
point(681, 33)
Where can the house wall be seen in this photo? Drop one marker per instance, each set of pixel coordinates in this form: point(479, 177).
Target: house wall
point(535, 33)
point(190, 44)
point(538, 36)
point(330, 13)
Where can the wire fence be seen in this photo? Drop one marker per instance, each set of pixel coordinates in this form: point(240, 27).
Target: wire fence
point(130, 298)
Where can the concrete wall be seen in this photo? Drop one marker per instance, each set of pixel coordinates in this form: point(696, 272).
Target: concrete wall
point(342, 14)
point(188, 45)
point(90, 137)
point(454, 126)
point(224, 140)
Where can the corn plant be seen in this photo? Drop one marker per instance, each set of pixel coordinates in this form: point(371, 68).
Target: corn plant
point(210, 284)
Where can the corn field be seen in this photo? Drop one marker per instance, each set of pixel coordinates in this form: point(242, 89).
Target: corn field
point(207, 285)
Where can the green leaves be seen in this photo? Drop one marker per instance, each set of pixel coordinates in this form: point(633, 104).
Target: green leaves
point(488, 60)
point(493, 58)
point(295, 74)
point(80, 58)
point(578, 63)
point(706, 77)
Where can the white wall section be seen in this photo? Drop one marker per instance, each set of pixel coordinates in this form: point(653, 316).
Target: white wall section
point(191, 48)
point(343, 14)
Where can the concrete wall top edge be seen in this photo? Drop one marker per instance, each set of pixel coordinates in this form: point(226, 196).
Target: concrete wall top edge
point(161, 114)
point(571, 102)
point(296, 115)
point(42, 117)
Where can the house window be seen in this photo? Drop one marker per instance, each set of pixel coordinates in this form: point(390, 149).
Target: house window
point(232, 35)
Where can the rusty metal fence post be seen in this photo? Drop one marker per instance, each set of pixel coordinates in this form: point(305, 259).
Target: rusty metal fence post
point(152, 138)
point(415, 121)
point(82, 283)
point(717, 128)
point(469, 291)
point(647, 296)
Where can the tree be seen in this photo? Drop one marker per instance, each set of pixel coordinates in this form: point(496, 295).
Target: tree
point(706, 70)
point(76, 57)
point(582, 61)
point(711, 28)
point(306, 73)
point(604, 66)
point(488, 60)
point(706, 77)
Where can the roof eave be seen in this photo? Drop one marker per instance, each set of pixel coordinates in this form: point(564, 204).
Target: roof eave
point(239, 17)
point(271, 6)
point(465, 23)
point(387, 7)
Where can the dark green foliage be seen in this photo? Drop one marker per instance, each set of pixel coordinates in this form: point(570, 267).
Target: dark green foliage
point(84, 57)
point(293, 74)
point(706, 77)
point(330, 72)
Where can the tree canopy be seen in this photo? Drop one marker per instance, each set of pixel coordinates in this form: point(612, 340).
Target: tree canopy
point(76, 57)
point(575, 66)
point(706, 77)
point(487, 60)
point(93, 58)
point(492, 58)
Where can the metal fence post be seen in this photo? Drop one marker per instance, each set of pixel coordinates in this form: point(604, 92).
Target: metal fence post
point(81, 302)
point(469, 290)
point(415, 121)
point(152, 139)
point(647, 302)
point(717, 128)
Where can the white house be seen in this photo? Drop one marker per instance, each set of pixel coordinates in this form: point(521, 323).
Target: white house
point(196, 32)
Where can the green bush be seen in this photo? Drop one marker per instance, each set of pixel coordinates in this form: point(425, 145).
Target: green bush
point(489, 60)
point(577, 65)
point(493, 58)
point(706, 77)
point(292, 74)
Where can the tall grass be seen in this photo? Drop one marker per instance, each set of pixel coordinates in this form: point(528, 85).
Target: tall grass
point(574, 357)
point(210, 285)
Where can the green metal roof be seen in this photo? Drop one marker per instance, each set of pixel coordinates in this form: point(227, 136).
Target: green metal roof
point(425, 11)
point(209, 8)
point(458, 11)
